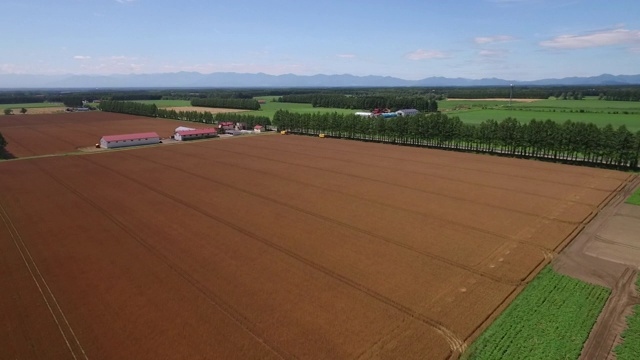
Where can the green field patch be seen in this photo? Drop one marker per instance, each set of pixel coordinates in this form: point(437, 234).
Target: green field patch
point(16, 107)
point(270, 107)
point(550, 319)
point(598, 112)
point(635, 200)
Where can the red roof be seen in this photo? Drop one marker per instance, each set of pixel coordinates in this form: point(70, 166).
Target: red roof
point(197, 132)
point(110, 138)
point(258, 127)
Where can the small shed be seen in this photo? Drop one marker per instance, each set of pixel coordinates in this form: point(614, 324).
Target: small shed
point(123, 140)
point(364, 113)
point(195, 134)
point(407, 112)
point(259, 128)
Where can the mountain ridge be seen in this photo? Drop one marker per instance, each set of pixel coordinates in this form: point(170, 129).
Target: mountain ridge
point(261, 80)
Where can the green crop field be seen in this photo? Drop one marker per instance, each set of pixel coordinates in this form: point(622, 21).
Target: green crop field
point(550, 319)
point(634, 198)
point(599, 112)
point(630, 347)
point(270, 108)
point(16, 107)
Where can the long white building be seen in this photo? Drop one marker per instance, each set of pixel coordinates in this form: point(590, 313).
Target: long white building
point(195, 134)
point(116, 141)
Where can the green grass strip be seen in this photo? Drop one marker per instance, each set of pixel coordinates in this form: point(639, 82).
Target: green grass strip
point(630, 347)
point(550, 319)
point(634, 198)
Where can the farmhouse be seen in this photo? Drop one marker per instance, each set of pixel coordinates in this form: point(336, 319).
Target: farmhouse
point(407, 112)
point(195, 134)
point(116, 141)
point(258, 129)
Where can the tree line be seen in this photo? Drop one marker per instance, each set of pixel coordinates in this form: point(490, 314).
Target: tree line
point(205, 117)
point(228, 103)
point(423, 103)
point(576, 142)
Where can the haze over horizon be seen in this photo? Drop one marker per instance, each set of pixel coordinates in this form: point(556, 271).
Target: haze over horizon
point(507, 39)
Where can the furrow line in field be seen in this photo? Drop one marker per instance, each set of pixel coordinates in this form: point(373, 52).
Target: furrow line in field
point(44, 289)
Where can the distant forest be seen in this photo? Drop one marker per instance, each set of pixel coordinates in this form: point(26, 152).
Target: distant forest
point(323, 97)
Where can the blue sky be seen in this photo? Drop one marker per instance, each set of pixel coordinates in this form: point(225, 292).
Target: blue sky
point(508, 39)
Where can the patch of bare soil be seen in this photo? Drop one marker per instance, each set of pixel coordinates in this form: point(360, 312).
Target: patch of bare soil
point(605, 253)
point(204, 109)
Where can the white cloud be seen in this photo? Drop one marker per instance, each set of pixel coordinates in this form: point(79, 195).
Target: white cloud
point(82, 57)
point(346, 56)
point(493, 39)
point(492, 53)
point(421, 54)
point(596, 39)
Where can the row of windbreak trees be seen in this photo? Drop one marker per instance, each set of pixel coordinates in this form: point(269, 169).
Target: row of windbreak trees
point(340, 101)
point(205, 117)
point(228, 103)
point(584, 143)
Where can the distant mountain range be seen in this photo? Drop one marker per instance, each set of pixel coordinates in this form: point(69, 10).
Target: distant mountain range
point(261, 80)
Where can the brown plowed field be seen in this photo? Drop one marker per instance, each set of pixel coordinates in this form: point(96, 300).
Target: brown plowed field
point(275, 247)
point(63, 133)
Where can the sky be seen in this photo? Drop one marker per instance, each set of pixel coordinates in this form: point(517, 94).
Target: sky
point(507, 39)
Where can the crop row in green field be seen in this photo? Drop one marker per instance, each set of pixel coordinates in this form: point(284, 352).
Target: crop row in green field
point(550, 319)
point(630, 347)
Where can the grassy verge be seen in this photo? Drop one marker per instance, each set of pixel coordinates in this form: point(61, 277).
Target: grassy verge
point(550, 319)
point(634, 198)
point(630, 347)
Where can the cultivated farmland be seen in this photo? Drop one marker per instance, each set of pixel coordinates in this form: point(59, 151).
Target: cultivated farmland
point(275, 247)
point(64, 133)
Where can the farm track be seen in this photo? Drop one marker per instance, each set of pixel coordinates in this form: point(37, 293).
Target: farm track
point(453, 340)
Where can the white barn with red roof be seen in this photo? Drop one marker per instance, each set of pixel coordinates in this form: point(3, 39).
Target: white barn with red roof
point(183, 135)
point(116, 141)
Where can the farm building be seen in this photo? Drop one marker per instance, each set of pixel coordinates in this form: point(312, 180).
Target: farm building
point(262, 101)
point(259, 128)
point(183, 128)
point(226, 125)
point(116, 141)
point(195, 134)
point(407, 112)
point(363, 113)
